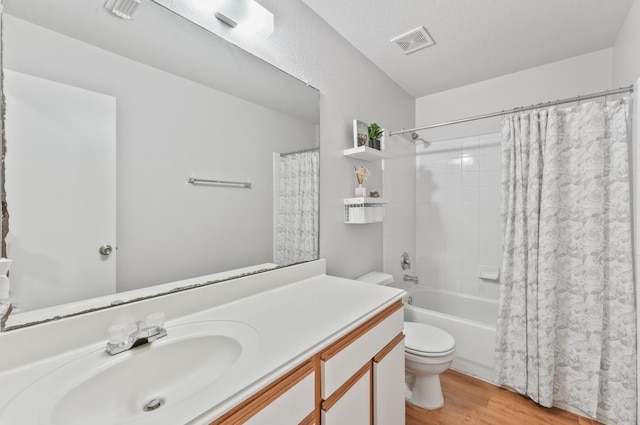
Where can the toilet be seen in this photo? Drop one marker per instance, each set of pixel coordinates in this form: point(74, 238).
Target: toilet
point(428, 351)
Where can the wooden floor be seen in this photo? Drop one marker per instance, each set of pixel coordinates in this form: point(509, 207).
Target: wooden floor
point(470, 401)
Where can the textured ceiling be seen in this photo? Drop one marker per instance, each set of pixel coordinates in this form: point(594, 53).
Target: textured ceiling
point(475, 39)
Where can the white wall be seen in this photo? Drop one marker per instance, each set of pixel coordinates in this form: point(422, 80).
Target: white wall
point(350, 87)
point(626, 51)
point(169, 128)
point(626, 71)
point(567, 78)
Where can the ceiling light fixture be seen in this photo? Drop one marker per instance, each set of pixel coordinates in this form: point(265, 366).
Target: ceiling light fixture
point(123, 8)
point(246, 14)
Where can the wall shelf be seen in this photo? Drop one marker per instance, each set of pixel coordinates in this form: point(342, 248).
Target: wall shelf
point(363, 210)
point(365, 153)
point(364, 200)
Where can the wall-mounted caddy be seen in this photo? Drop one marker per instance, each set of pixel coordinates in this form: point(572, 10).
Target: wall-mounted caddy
point(363, 210)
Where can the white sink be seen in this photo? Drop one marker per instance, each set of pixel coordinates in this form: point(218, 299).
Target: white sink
point(148, 384)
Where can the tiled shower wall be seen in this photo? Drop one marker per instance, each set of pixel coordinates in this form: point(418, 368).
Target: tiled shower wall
point(458, 214)
point(399, 191)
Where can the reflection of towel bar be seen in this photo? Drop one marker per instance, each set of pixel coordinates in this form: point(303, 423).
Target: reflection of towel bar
point(193, 180)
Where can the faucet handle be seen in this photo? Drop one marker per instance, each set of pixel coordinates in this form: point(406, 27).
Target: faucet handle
point(155, 319)
point(118, 333)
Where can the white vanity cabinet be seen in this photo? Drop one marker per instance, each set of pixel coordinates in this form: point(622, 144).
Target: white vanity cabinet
point(358, 380)
point(362, 376)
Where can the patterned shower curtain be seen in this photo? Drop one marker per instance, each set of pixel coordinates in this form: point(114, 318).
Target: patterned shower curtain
point(567, 321)
point(297, 221)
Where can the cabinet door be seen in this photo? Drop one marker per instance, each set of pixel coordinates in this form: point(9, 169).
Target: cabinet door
point(353, 407)
point(388, 384)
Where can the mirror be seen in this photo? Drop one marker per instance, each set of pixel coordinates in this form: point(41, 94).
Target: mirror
point(107, 119)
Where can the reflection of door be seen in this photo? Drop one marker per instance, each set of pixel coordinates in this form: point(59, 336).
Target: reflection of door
point(61, 191)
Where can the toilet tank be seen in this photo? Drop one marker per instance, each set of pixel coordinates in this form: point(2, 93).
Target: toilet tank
point(377, 278)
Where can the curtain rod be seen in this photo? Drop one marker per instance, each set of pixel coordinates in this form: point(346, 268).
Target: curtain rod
point(300, 151)
point(522, 109)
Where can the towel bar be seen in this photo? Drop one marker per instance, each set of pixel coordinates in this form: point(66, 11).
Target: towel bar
point(193, 180)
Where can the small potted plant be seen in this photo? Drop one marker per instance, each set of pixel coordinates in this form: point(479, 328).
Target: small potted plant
point(375, 133)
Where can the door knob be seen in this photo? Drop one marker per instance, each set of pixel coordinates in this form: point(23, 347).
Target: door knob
point(105, 249)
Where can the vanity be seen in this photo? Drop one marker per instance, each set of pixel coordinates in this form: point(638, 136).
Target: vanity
point(287, 346)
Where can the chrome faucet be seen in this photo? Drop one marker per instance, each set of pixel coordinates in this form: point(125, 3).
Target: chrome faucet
point(123, 337)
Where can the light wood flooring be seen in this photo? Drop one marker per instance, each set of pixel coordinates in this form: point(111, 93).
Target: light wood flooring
point(472, 401)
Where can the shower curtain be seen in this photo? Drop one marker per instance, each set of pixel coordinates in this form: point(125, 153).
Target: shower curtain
point(567, 323)
point(297, 221)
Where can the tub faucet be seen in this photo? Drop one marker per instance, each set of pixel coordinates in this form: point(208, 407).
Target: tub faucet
point(409, 278)
point(123, 337)
point(405, 261)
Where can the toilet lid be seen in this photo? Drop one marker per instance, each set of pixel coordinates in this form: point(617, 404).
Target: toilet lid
point(423, 338)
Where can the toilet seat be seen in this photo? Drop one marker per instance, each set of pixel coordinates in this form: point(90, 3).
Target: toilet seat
point(427, 341)
point(428, 354)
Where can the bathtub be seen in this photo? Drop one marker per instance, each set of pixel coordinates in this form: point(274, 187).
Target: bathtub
point(471, 321)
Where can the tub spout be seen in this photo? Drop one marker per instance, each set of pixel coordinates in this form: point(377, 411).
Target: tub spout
point(409, 278)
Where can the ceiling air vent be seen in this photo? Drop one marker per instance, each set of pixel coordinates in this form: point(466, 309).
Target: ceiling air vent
point(413, 40)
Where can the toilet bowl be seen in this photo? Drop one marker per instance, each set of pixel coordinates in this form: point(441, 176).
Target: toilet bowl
point(428, 351)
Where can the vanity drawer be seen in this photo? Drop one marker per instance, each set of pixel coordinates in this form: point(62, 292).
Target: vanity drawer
point(288, 401)
point(295, 404)
point(352, 404)
point(344, 358)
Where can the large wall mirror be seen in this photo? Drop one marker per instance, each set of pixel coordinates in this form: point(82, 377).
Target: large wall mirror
point(106, 121)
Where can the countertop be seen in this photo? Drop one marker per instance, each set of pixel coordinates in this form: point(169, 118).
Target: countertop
point(293, 323)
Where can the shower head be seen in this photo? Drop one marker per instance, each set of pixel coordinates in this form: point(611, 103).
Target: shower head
point(416, 138)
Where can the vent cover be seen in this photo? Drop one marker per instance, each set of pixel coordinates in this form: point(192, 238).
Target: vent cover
point(413, 40)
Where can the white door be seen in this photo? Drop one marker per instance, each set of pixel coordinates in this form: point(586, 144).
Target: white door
point(61, 191)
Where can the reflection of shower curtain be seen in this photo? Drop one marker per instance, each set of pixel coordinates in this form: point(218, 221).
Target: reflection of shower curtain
point(567, 321)
point(297, 220)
